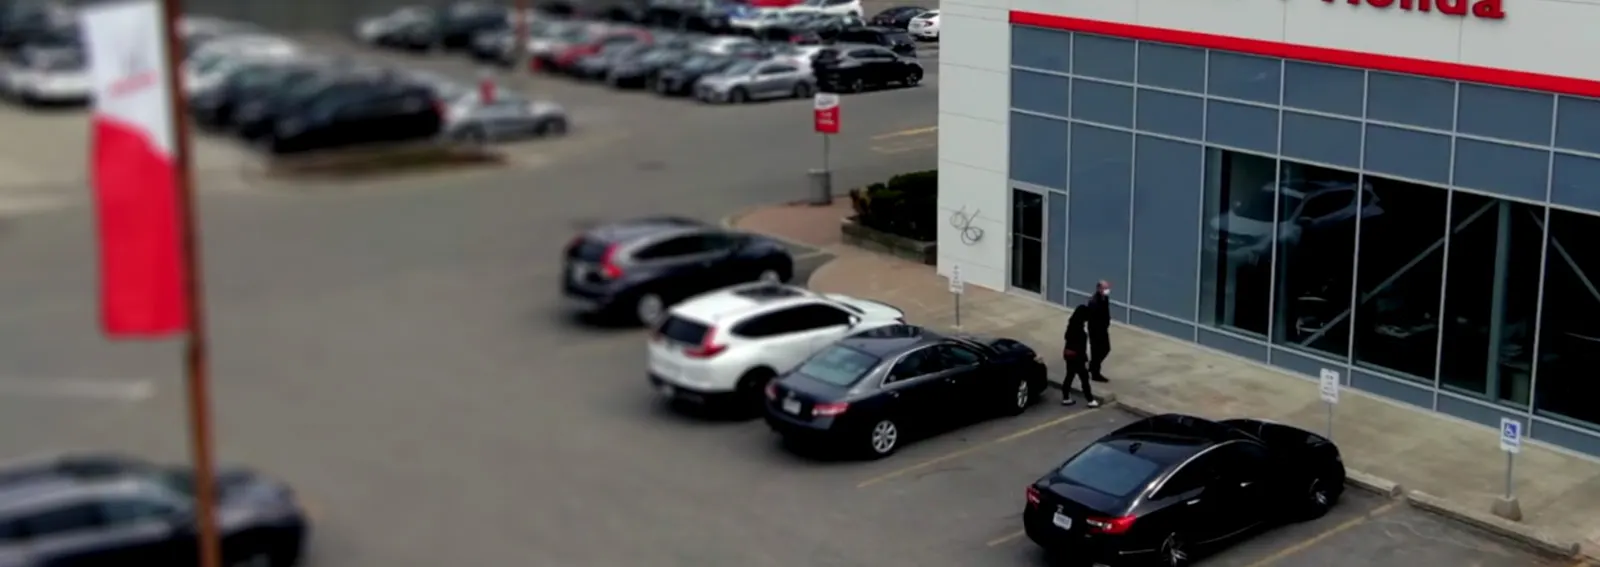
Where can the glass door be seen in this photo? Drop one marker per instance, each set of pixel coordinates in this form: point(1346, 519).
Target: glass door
point(1027, 240)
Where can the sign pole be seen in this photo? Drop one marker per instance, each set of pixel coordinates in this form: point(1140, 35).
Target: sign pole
point(1507, 505)
point(827, 153)
point(1328, 388)
point(520, 52)
point(825, 122)
point(196, 359)
point(958, 287)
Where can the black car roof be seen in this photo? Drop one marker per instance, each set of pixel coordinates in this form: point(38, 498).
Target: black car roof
point(1171, 438)
point(29, 481)
point(634, 229)
point(891, 340)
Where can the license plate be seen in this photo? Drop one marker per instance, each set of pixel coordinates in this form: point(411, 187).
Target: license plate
point(1062, 521)
point(667, 390)
point(792, 406)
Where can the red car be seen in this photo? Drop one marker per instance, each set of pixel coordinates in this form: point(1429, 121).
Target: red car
point(564, 60)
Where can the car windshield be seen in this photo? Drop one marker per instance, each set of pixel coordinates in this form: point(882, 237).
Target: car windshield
point(660, 56)
point(1109, 470)
point(1257, 205)
point(839, 365)
point(705, 63)
point(578, 34)
point(743, 67)
point(58, 60)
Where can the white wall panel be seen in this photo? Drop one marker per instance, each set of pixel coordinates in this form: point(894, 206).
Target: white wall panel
point(976, 93)
point(974, 37)
point(981, 195)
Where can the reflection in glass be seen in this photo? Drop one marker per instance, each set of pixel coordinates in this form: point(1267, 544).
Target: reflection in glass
point(1569, 335)
point(1316, 232)
point(1236, 257)
point(1491, 292)
point(1027, 246)
point(1398, 278)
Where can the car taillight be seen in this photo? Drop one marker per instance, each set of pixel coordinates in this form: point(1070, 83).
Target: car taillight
point(796, 39)
point(707, 348)
point(608, 263)
point(1032, 494)
point(772, 390)
point(829, 410)
point(1111, 525)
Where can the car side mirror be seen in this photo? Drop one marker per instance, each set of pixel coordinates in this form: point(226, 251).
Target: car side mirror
point(854, 320)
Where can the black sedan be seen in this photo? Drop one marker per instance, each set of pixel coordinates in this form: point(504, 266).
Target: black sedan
point(897, 17)
point(679, 80)
point(215, 109)
point(641, 71)
point(636, 269)
point(856, 68)
point(868, 392)
point(1170, 488)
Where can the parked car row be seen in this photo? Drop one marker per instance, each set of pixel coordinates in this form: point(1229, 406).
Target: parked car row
point(708, 67)
point(848, 375)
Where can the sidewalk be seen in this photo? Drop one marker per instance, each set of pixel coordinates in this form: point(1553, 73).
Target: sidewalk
point(1443, 464)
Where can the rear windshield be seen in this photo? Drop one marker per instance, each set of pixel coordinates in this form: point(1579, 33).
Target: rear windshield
point(839, 365)
point(588, 249)
point(1110, 471)
point(683, 330)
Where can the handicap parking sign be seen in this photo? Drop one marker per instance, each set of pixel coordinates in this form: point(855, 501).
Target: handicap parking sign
point(1510, 435)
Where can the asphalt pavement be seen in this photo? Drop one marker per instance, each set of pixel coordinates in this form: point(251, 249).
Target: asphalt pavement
point(397, 349)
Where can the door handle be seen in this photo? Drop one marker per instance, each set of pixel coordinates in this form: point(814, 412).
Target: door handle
point(1192, 502)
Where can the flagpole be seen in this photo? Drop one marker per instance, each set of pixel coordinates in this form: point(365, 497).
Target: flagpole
point(196, 356)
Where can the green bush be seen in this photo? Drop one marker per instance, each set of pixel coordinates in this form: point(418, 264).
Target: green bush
point(906, 205)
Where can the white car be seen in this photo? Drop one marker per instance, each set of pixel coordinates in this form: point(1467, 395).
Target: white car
point(208, 66)
point(834, 7)
point(47, 74)
point(726, 345)
point(925, 26)
point(373, 29)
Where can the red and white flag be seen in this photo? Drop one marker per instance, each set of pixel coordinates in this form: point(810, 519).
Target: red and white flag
point(134, 173)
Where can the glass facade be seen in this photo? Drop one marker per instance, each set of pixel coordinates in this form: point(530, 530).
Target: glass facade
point(1312, 216)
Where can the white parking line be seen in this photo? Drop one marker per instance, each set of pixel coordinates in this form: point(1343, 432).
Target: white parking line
point(119, 391)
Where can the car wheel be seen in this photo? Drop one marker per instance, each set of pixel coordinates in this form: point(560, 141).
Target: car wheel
point(738, 95)
point(752, 389)
point(883, 438)
point(1174, 551)
point(648, 308)
point(857, 85)
point(802, 90)
point(1021, 398)
point(552, 127)
point(913, 78)
point(1320, 497)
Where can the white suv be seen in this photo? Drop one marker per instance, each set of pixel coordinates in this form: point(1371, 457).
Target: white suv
point(724, 346)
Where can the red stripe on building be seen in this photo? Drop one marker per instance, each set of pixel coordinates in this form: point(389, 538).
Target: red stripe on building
point(1442, 70)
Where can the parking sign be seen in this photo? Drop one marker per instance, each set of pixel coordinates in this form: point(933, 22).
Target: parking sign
point(1510, 435)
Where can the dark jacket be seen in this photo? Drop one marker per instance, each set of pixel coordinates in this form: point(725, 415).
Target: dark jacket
point(1076, 338)
point(1100, 321)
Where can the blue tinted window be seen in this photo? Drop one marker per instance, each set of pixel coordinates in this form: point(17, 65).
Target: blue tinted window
point(1325, 88)
point(1578, 124)
point(1320, 139)
point(1039, 92)
point(1403, 99)
point(1575, 182)
point(1040, 48)
point(1102, 57)
point(1110, 471)
point(1102, 102)
point(1242, 126)
point(1039, 150)
point(1171, 114)
point(1097, 230)
point(1245, 77)
point(1507, 170)
point(1493, 112)
point(1173, 67)
point(1166, 226)
point(1408, 153)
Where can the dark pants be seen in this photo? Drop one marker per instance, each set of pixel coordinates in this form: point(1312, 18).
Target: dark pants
point(1097, 357)
point(1076, 369)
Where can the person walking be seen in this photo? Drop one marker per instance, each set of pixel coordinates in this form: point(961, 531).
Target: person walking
point(1076, 353)
point(1099, 329)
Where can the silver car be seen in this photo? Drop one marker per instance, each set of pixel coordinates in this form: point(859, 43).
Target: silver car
point(757, 80)
point(506, 117)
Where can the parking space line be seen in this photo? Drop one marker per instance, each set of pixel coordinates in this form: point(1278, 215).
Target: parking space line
point(971, 449)
point(1008, 538)
point(1307, 543)
point(907, 133)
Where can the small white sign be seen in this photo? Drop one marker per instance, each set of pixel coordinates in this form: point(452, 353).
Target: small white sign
point(825, 101)
point(957, 285)
point(1328, 385)
point(1510, 435)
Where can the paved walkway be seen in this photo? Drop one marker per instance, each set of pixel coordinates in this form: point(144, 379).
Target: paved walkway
point(1458, 463)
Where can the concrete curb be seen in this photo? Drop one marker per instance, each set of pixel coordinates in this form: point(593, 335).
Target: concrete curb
point(1374, 484)
point(1526, 535)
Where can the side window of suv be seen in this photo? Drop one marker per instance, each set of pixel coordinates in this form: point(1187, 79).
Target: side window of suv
point(123, 511)
point(822, 316)
point(687, 245)
point(62, 520)
point(780, 322)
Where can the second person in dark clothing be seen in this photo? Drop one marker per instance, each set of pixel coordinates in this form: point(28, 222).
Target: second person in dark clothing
point(1099, 329)
point(1075, 351)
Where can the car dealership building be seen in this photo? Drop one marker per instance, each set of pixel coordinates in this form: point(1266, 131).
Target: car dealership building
point(1362, 185)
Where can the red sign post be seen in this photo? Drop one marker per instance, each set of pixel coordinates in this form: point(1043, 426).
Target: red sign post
point(825, 113)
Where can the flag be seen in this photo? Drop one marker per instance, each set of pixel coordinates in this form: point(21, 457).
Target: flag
point(134, 173)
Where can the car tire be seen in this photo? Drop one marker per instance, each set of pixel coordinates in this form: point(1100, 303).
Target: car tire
point(738, 95)
point(1321, 494)
point(883, 438)
point(750, 393)
point(802, 90)
point(552, 127)
point(913, 78)
point(648, 308)
point(857, 85)
point(473, 136)
point(1019, 398)
point(1175, 551)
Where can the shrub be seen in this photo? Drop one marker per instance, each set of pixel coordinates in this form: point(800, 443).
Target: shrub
point(906, 205)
